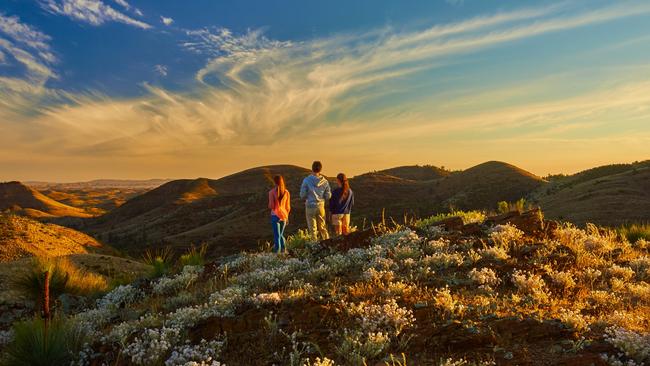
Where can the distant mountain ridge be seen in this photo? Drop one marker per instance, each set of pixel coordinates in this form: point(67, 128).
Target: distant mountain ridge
point(100, 183)
point(17, 197)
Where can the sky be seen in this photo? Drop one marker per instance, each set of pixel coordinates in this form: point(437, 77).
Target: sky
point(203, 88)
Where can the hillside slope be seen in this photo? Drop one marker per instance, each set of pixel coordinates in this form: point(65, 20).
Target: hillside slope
point(610, 195)
point(484, 185)
point(17, 197)
point(23, 237)
point(416, 172)
point(231, 212)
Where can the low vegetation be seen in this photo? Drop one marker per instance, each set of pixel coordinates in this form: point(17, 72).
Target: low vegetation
point(398, 296)
point(635, 232)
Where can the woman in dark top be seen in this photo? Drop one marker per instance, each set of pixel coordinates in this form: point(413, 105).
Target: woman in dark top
point(341, 204)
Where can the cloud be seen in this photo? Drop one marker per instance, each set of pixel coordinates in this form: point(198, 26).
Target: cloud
point(128, 7)
point(254, 91)
point(166, 21)
point(94, 12)
point(24, 45)
point(161, 69)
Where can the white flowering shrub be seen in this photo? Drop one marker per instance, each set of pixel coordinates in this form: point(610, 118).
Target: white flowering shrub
point(530, 284)
point(151, 346)
point(445, 301)
point(389, 318)
point(168, 285)
point(506, 236)
point(203, 354)
point(225, 301)
point(641, 266)
point(267, 298)
point(404, 237)
point(494, 253)
point(634, 347)
point(562, 280)
point(356, 347)
point(590, 276)
point(574, 320)
point(486, 278)
point(121, 295)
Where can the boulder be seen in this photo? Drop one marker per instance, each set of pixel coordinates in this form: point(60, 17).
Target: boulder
point(530, 222)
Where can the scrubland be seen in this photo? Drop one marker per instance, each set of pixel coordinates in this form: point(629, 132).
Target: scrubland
point(424, 294)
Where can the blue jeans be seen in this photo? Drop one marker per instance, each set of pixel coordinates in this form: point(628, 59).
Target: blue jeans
point(278, 234)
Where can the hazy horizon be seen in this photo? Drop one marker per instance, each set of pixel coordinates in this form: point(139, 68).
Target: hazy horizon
point(329, 171)
point(137, 89)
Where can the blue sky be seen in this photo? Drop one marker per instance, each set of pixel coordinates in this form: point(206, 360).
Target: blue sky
point(139, 89)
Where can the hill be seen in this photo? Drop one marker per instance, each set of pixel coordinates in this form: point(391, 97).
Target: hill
point(230, 213)
point(23, 237)
point(17, 197)
point(482, 186)
point(416, 172)
point(609, 195)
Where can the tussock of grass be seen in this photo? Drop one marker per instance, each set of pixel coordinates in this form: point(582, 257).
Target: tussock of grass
point(160, 260)
point(194, 256)
point(635, 232)
point(34, 345)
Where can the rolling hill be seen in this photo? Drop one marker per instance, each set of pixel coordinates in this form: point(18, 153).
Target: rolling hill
point(608, 195)
point(17, 197)
point(22, 237)
point(416, 172)
point(231, 212)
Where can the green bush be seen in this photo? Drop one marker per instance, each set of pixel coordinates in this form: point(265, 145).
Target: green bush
point(194, 256)
point(160, 260)
point(467, 216)
point(34, 345)
point(635, 232)
point(298, 240)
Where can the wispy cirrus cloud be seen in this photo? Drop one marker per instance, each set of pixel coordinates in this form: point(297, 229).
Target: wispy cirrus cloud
point(25, 46)
point(93, 12)
point(254, 91)
point(128, 7)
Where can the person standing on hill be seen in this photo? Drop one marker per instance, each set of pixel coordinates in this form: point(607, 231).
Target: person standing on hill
point(280, 205)
point(341, 204)
point(315, 189)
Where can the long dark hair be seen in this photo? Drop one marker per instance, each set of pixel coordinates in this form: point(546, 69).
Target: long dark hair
point(279, 185)
point(345, 185)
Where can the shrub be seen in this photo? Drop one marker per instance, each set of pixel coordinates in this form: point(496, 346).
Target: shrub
point(635, 232)
point(194, 256)
point(506, 236)
point(634, 346)
point(467, 216)
point(160, 260)
point(34, 346)
point(298, 240)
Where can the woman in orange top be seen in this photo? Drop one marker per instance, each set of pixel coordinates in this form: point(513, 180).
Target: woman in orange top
point(280, 205)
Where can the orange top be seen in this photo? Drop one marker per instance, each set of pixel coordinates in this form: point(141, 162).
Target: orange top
point(280, 208)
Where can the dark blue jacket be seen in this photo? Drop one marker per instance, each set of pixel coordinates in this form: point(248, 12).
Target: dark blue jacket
point(337, 207)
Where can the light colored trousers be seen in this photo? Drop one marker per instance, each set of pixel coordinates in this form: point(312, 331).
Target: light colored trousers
point(316, 221)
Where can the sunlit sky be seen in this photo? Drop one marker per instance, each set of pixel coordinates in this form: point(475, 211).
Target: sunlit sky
point(180, 89)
